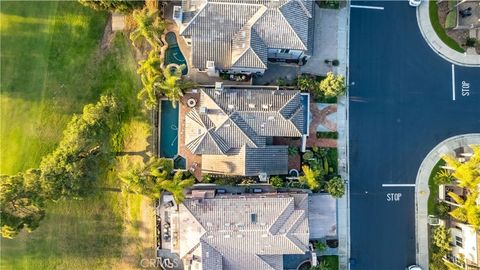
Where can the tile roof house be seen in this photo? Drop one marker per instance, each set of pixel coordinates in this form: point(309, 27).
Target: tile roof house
point(234, 232)
point(232, 129)
point(242, 35)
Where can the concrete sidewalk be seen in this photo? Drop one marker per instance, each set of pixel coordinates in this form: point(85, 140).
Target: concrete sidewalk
point(428, 33)
point(343, 204)
point(422, 191)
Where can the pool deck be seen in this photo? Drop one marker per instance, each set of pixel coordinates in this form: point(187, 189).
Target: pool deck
point(190, 158)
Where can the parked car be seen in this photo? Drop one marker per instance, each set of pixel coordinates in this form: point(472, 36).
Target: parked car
point(414, 3)
point(414, 267)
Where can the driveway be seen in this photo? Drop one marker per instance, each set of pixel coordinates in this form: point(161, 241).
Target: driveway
point(402, 104)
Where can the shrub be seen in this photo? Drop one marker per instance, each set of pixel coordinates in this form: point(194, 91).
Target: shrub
point(306, 83)
point(292, 151)
point(471, 42)
point(335, 187)
point(335, 62)
point(320, 246)
point(327, 135)
point(276, 181)
point(451, 20)
point(443, 209)
point(441, 238)
point(333, 85)
point(443, 177)
point(308, 155)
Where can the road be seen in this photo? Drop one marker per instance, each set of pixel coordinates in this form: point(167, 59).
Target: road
point(402, 104)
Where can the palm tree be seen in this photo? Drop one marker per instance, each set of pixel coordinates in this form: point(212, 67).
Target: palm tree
point(177, 185)
point(151, 66)
point(335, 187)
point(173, 86)
point(149, 89)
point(149, 27)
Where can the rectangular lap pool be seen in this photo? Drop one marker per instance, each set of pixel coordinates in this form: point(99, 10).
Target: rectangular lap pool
point(168, 132)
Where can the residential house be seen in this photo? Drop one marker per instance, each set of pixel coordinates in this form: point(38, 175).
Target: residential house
point(232, 129)
point(249, 231)
point(241, 36)
point(465, 240)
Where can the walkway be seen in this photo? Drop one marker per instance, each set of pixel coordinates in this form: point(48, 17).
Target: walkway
point(422, 191)
point(428, 33)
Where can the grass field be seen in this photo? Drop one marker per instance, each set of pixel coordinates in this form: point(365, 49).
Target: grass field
point(433, 187)
point(51, 66)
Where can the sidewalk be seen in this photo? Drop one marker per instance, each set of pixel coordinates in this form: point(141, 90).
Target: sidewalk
point(422, 191)
point(343, 204)
point(428, 33)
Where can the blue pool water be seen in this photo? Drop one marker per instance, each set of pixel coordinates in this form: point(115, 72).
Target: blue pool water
point(173, 53)
point(168, 129)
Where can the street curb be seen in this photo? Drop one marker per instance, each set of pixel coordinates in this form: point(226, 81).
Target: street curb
point(435, 43)
point(422, 191)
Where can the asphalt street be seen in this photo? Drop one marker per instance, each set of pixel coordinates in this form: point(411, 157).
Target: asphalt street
point(401, 106)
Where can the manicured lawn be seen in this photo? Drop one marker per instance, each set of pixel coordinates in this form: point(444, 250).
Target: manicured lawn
point(332, 261)
point(433, 197)
point(433, 10)
point(52, 67)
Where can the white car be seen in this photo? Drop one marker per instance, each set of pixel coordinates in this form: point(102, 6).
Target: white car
point(414, 267)
point(414, 3)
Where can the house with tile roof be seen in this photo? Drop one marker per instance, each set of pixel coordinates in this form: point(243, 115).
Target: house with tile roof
point(247, 231)
point(233, 129)
point(241, 36)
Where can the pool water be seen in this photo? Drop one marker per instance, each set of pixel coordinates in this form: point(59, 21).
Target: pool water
point(168, 129)
point(173, 55)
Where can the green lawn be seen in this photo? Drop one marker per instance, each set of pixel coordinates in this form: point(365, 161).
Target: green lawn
point(331, 260)
point(47, 72)
point(439, 29)
point(51, 66)
point(433, 187)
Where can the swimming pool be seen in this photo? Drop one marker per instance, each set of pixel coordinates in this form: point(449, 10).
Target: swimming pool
point(173, 55)
point(168, 141)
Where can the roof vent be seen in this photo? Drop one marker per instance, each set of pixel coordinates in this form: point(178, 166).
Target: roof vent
point(265, 106)
point(230, 106)
point(251, 105)
point(203, 110)
point(271, 118)
point(239, 235)
point(262, 126)
point(226, 236)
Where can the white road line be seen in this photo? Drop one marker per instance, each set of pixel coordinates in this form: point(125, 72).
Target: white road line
point(367, 7)
point(453, 82)
point(398, 185)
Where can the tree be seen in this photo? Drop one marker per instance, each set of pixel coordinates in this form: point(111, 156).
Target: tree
point(333, 85)
point(21, 202)
point(123, 6)
point(148, 93)
point(173, 86)
point(335, 187)
point(149, 28)
point(177, 185)
point(276, 181)
point(441, 238)
point(320, 246)
point(310, 177)
point(151, 66)
point(67, 172)
point(443, 177)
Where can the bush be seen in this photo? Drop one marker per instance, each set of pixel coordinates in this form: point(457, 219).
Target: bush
point(471, 42)
point(333, 85)
point(327, 135)
point(335, 187)
point(276, 181)
point(443, 209)
point(292, 151)
point(335, 62)
point(441, 238)
point(451, 20)
point(305, 82)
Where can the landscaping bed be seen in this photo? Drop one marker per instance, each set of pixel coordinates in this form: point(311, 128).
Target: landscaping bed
point(454, 39)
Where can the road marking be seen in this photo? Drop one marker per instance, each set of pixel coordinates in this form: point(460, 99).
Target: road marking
point(367, 7)
point(398, 185)
point(453, 82)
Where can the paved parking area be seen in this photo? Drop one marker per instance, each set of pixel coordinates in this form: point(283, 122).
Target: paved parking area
point(325, 41)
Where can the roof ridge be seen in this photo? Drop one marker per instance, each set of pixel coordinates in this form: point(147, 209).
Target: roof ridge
point(293, 30)
point(235, 123)
point(286, 103)
point(277, 228)
point(201, 9)
point(302, 6)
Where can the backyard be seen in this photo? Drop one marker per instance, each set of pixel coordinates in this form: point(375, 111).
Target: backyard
point(52, 65)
